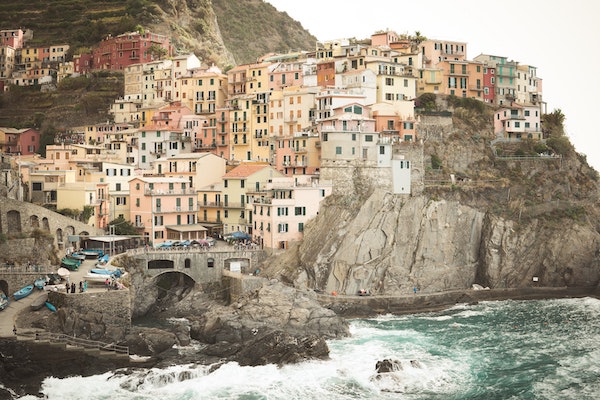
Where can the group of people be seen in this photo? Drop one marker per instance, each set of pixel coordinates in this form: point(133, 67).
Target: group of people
point(72, 288)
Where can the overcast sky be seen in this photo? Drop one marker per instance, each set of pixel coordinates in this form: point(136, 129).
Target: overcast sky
point(551, 35)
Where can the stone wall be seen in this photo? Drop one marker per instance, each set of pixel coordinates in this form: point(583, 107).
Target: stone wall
point(362, 177)
point(18, 217)
point(240, 284)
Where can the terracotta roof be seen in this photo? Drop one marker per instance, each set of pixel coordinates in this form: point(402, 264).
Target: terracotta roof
point(244, 170)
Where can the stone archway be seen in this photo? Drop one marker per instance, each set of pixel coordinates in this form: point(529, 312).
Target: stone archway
point(59, 236)
point(34, 222)
point(13, 219)
point(45, 224)
point(4, 287)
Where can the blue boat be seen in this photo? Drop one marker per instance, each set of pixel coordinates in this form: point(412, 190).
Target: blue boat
point(50, 307)
point(76, 256)
point(23, 292)
point(40, 283)
point(116, 273)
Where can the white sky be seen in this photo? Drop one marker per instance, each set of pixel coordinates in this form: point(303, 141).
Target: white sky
point(552, 35)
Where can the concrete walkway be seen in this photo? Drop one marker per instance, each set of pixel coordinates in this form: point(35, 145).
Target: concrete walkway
point(9, 315)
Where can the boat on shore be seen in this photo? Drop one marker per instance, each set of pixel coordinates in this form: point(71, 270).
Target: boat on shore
point(50, 306)
point(63, 273)
point(97, 278)
point(39, 302)
point(91, 254)
point(39, 283)
point(70, 264)
point(76, 256)
point(23, 292)
point(4, 302)
point(103, 271)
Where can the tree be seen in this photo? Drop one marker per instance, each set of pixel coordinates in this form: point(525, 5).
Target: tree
point(553, 124)
point(123, 227)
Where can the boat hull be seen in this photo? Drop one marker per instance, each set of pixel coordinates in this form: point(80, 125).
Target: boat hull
point(40, 283)
point(50, 307)
point(23, 292)
point(39, 302)
point(4, 302)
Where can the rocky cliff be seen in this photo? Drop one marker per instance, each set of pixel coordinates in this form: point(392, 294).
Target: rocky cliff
point(509, 222)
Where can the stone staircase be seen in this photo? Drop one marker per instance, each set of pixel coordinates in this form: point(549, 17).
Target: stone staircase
point(71, 343)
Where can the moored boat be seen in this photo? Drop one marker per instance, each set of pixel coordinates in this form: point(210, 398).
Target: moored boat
point(70, 264)
point(40, 283)
point(103, 271)
point(98, 278)
point(23, 292)
point(39, 302)
point(63, 272)
point(76, 256)
point(90, 253)
point(50, 307)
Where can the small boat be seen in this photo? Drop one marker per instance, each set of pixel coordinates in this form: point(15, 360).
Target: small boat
point(40, 283)
point(63, 272)
point(70, 264)
point(3, 301)
point(116, 273)
point(103, 260)
point(76, 256)
point(39, 302)
point(50, 307)
point(101, 278)
point(23, 292)
point(90, 253)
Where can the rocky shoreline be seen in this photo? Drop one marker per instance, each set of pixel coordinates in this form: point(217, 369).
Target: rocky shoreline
point(251, 332)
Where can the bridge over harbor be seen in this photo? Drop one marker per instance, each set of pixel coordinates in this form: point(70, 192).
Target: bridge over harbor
point(201, 264)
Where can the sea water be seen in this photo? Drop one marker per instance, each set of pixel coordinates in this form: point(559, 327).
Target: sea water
point(492, 350)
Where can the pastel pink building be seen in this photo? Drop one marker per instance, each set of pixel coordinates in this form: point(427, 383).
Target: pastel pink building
point(519, 121)
point(281, 210)
point(164, 209)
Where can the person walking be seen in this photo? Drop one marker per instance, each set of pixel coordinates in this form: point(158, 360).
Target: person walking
point(68, 287)
point(80, 286)
point(15, 329)
point(73, 288)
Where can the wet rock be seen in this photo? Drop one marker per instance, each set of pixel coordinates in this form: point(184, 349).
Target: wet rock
point(282, 348)
point(388, 365)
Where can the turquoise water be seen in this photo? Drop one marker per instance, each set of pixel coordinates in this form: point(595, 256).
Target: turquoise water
point(494, 350)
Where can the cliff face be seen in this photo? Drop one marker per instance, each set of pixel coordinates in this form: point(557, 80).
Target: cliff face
point(506, 221)
point(391, 244)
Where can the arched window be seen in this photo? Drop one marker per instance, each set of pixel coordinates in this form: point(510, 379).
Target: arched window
point(188, 263)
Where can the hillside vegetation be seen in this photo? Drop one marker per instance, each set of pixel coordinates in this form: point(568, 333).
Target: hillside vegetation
point(223, 32)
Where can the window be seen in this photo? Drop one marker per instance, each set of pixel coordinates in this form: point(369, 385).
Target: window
point(300, 226)
point(282, 211)
point(389, 81)
point(368, 138)
point(282, 227)
point(338, 150)
point(137, 202)
point(299, 210)
point(242, 183)
point(225, 183)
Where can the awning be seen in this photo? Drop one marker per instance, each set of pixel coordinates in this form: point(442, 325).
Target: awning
point(186, 228)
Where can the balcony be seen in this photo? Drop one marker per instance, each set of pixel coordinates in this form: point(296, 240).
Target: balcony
point(159, 192)
point(211, 204)
point(205, 147)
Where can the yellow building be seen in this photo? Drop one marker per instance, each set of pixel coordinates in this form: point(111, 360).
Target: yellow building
point(247, 177)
